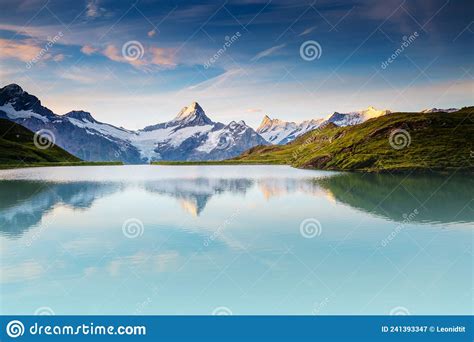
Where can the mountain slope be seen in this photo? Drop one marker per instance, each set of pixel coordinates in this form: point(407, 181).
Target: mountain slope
point(76, 132)
point(421, 141)
point(17, 147)
point(355, 118)
point(280, 132)
point(191, 135)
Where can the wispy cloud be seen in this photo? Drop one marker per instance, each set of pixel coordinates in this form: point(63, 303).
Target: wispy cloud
point(92, 9)
point(23, 50)
point(152, 56)
point(267, 52)
point(59, 57)
point(84, 75)
point(307, 31)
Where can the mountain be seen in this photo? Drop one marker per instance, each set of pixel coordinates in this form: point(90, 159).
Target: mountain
point(191, 135)
point(439, 110)
point(17, 147)
point(399, 141)
point(355, 118)
point(76, 132)
point(280, 132)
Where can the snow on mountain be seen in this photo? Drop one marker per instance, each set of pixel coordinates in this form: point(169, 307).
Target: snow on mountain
point(280, 132)
point(191, 135)
point(355, 118)
point(439, 110)
point(192, 115)
point(76, 132)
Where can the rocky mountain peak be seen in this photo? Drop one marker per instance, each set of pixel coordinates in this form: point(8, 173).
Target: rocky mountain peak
point(192, 114)
point(80, 115)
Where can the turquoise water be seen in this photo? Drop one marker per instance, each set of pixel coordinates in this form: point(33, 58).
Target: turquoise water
point(234, 239)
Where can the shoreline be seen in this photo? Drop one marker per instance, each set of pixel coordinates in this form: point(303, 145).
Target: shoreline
point(421, 170)
point(55, 164)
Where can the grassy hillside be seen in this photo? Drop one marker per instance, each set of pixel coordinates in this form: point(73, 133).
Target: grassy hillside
point(17, 148)
point(431, 141)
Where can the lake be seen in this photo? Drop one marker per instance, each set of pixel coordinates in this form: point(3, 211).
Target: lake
point(234, 239)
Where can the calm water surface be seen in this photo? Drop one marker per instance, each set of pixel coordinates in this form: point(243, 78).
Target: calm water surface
point(240, 239)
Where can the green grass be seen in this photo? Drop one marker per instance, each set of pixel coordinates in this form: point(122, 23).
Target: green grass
point(205, 162)
point(17, 149)
point(438, 141)
point(81, 163)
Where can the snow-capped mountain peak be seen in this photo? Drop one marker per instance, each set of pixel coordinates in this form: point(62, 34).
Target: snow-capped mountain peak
point(372, 112)
point(268, 123)
point(277, 131)
point(192, 114)
point(354, 118)
point(439, 110)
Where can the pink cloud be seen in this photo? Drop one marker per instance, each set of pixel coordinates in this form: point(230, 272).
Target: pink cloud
point(152, 56)
point(24, 50)
point(162, 57)
point(88, 50)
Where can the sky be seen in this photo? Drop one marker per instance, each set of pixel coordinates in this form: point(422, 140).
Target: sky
point(137, 63)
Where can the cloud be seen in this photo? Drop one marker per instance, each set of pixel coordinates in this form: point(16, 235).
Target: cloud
point(307, 31)
point(24, 50)
point(112, 53)
point(218, 81)
point(163, 57)
point(151, 33)
point(153, 56)
point(84, 75)
point(267, 52)
point(92, 9)
point(88, 49)
point(254, 110)
point(59, 57)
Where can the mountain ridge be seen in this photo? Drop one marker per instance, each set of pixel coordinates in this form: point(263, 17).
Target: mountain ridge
point(395, 142)
point(181, 138)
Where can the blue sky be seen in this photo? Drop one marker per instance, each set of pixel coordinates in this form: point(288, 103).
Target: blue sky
point(73, 55)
